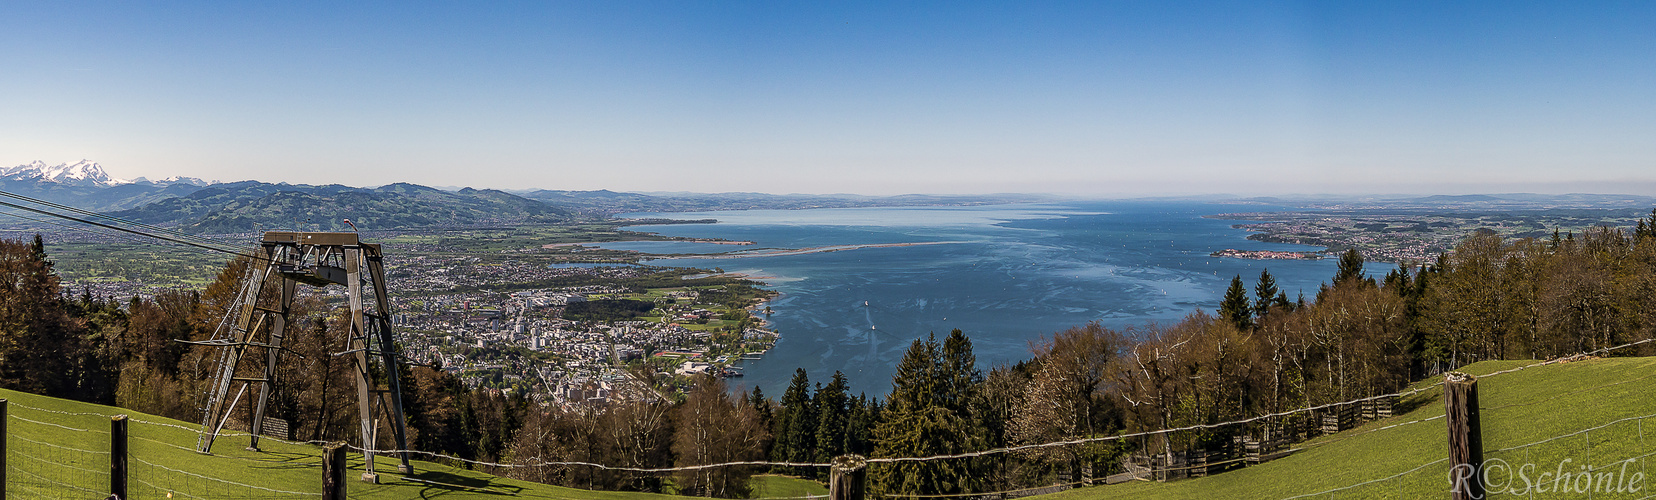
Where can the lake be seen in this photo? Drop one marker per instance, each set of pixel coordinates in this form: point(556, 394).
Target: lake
point(1005, 275)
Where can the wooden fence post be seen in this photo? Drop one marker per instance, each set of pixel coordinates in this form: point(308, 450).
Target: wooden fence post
point(333, 471)
point(118, 457)
point(847, 477)
point(1460, 398)
point(3, 439)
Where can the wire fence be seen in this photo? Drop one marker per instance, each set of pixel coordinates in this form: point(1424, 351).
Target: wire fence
point(1606, 460)
point(47, 470)
point(78, 464)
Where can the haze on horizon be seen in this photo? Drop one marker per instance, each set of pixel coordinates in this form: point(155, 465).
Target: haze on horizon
point(1086, 98)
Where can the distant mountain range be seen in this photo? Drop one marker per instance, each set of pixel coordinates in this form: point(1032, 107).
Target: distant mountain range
point(81, 174)
point(195, 205)
point(198, 206)
point(252, 205)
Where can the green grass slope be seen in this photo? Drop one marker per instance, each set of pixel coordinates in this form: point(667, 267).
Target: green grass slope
point(60, 448)
point(1393, 458)
point(1583, 412)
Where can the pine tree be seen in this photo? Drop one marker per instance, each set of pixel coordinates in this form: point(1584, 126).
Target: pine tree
point(1646, 228)
point(914, 385)
point(42, 349)
point(958, 374)
point(764, 410)
point(833, 414)
point(802, 427)
point(1235, 307)
point(918, 421)
point(1397, 280)
point(792, 421)
point(1351, 267)
point(1265, 293)
point(862, 413)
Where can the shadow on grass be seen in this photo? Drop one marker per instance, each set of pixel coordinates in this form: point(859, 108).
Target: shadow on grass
point(286, 461)
point(447, 482)
point(1412, 403)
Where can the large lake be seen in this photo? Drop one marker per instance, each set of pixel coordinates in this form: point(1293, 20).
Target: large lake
point(1005, 275)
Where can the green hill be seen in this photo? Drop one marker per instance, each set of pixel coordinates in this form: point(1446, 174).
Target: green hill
point(1395, 457)
point(243, 206)
point(59, 447)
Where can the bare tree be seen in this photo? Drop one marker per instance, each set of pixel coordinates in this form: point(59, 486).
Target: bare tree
point(714, 428)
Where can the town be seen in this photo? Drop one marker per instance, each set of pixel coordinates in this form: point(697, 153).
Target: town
point(599, 330)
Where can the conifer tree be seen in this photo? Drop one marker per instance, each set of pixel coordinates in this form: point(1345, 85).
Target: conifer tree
point(833, 414)
point(1235, 307)
point(1265, 294)
point(764, 410)
point(42, 349)
point(1646, 227)
point(1351, 267)
point(862, 414)
point(958, 374)
point(918, 421)
point(802, 427)
point(795, 420)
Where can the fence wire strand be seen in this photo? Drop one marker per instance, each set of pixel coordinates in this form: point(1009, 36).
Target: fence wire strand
point(1371, 481)
point(223, 481)
point(34, 459)
point(1576, 433)
point(64, 427)
point(538, 462)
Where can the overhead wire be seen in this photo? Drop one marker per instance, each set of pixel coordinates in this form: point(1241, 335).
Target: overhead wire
point(112, 218)
point(44, 221)
point(122, 229)
point(148, 230)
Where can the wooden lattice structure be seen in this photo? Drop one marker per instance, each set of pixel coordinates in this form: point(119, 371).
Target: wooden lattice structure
point(259, 321)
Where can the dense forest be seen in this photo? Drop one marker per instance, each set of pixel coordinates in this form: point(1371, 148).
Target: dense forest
point(1259, 352)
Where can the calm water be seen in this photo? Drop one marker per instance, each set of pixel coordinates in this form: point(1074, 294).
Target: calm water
point(1006, 276)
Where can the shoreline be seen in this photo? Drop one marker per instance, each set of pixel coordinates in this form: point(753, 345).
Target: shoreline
point(692, 240)
point(805, 251)
point(1269, 254)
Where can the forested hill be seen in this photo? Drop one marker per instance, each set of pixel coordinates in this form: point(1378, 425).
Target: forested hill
point(252, 205)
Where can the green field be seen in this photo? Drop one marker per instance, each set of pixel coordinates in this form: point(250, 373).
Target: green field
point(774, 486)
point(1519, 408)
point(60, 449)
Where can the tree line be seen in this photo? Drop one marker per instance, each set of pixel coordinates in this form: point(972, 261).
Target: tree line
point(1259, 352)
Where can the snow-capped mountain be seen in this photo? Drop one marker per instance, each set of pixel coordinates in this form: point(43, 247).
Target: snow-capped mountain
point(169, 181)
point(82, 173)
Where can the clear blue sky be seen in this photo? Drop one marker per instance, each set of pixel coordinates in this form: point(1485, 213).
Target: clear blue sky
point(1090, 98)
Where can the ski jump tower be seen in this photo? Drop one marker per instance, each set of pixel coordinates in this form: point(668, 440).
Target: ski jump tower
point(251, 335)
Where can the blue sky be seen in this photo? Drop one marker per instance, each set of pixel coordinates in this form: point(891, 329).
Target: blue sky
point(1091, 98)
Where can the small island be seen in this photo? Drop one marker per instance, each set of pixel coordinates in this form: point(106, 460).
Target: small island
point(1267, 254)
